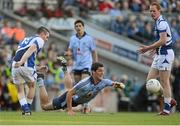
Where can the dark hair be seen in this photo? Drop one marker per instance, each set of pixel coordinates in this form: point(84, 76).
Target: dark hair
point(158, 6)
point(96, 65)
point(42, 29)
point(79, 21)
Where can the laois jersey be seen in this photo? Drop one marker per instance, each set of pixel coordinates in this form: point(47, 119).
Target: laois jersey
point(161, 25)
point(23, 47)
point(85, 90)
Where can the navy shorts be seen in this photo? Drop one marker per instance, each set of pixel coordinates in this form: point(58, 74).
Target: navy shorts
point(60, 102)
point(83, 71)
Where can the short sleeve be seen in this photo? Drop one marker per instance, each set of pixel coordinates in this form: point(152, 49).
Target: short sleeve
point(39, 43)
point(71, 43)
point(162, 26)
point(107, 82)
point(76, 87)
point(93, 44)
point(80, 84)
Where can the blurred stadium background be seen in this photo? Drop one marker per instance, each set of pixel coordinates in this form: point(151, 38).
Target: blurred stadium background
point(118, 26)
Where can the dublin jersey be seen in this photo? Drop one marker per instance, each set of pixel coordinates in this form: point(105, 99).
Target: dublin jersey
point(23, 47)
point(86, 90)
point(82, 51)
point(161, 25)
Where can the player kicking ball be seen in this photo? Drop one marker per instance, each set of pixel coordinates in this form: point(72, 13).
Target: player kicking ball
point(154, 86)
point(82, 92)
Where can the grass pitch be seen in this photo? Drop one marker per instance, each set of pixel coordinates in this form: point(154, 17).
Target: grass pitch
point(61, 118)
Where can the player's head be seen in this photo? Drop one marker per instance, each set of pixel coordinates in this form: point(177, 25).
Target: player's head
point(79, 26)
point(155, 10)
point(43, 32)
point(97, 70)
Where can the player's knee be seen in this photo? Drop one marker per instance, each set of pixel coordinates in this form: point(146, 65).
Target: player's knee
point(163, 82)
point(44, 107)
point(31, 85)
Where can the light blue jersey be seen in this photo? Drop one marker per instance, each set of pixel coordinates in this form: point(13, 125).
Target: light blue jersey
point(161, 25)
point(86, 90)
point(23, 47)
point(82, 49)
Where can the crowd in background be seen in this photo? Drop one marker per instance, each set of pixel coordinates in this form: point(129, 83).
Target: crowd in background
point(125, 20)
point(129, 18)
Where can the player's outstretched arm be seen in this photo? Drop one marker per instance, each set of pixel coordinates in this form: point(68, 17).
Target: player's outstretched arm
point(69, 102)
point(118, 85)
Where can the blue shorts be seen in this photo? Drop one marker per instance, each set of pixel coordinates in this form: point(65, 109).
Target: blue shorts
point(83, 71)
point(60, 102)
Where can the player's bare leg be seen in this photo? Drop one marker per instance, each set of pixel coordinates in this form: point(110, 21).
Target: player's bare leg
point(77, 78)
point(20, 89)
point(45, 102)
point(153, 74)
point(165, 82)
point(68, 81)
point(22, 99)
point(67, 77)
point(85, 108)
point(31, 93)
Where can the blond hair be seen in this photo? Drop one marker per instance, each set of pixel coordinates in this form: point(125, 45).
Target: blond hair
point(158, 6)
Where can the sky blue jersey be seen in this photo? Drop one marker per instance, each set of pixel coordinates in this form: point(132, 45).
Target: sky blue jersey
point(82, 49)
point(161, 25)
point(86, 90)
point(23, 47)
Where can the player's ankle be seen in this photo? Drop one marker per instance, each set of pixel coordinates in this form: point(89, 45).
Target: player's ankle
point(167, 108)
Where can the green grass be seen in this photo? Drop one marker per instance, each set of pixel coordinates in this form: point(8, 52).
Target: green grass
point(61, 118)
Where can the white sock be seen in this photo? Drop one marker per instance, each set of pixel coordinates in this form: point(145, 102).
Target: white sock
point(23, 101)
point(29, 101)
point(167, 100)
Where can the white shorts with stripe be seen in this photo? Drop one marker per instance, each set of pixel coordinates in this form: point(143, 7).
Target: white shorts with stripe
point(163, 62)
point(23, 74)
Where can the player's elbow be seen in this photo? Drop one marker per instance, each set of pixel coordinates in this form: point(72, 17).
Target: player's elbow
point(163, 40)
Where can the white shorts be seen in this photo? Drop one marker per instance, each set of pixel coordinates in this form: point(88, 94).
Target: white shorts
point(23, 74)
point(163, 62)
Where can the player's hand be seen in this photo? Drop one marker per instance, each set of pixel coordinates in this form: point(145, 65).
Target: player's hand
point(17, 64)
point(67, 53)
point(71, 112)
point(43, 69)
point(152, 52)
point(118, 85)
point(143, 49)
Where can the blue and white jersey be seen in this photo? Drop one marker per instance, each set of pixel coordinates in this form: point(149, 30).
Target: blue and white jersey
point(23, 47)
point(161, 25)
point(86, 90)
point(82, 51)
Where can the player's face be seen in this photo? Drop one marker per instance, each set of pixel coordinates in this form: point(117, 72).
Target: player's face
point(155, 13)
point(79, 28)
point(46, 36)
point(99, 73)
